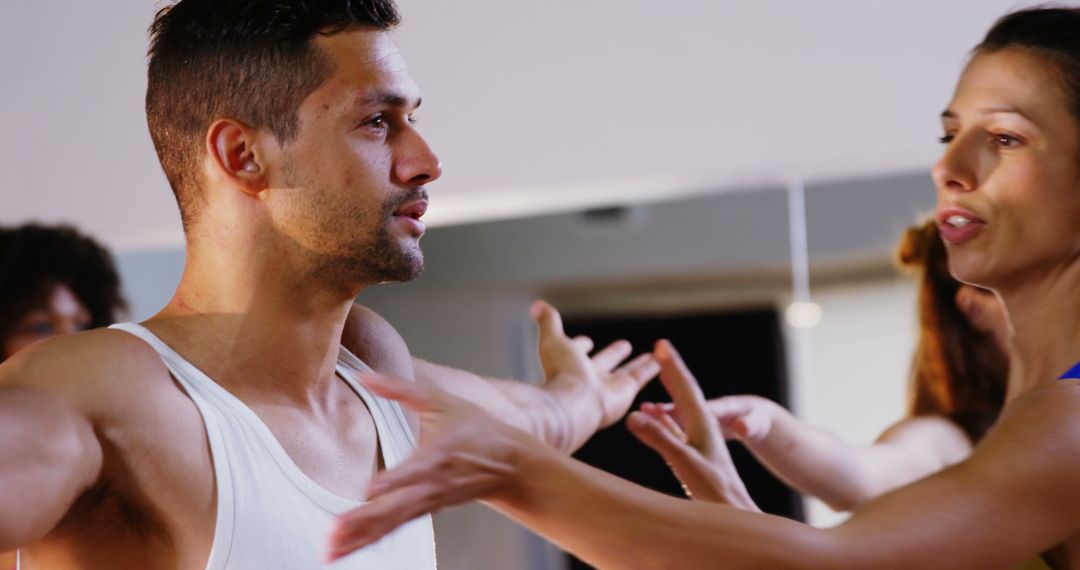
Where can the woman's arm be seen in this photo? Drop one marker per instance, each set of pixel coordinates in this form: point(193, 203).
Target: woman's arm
point(844, 475)
point(1013, 498)
point(811, 460)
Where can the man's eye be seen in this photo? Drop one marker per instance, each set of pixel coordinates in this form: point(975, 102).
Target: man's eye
point(377, 122)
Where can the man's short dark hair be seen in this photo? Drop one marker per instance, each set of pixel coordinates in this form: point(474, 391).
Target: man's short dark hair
point(36, 258)
point(252, 60)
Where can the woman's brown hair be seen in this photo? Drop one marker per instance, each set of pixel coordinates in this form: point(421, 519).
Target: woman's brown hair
point(957, 371)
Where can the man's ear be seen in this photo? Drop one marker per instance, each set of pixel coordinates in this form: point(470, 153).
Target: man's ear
point(235, 154)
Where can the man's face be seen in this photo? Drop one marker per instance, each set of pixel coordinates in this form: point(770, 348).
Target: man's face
point(350, 187)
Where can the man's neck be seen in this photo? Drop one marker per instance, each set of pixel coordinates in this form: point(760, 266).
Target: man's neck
point(263, 333)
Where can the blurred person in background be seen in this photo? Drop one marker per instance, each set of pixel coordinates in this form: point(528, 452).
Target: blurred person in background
point(53, 280)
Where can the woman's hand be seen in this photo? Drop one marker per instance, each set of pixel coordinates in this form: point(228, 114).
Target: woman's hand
point(749, 419)
point(691, 441)
point(464, 455)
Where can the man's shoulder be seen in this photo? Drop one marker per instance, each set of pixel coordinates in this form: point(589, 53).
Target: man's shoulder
point(84, 369)
point(375, 341)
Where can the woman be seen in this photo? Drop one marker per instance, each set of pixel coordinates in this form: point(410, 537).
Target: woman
point(1009, 212)
point(957, 390)
point(53, 281)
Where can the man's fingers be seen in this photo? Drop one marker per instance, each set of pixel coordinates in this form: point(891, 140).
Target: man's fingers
point(583, 343)
point(547, 318)
point(411, 394)
point(550, 333)
point(641, 369)
point(611, 355)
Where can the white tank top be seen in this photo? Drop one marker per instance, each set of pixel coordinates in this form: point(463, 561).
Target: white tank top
point(269, 513)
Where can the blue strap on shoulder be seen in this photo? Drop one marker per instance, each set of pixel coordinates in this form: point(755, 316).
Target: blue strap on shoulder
point(1073, 372)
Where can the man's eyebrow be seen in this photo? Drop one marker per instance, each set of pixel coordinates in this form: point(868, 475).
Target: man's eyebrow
point(381, 97)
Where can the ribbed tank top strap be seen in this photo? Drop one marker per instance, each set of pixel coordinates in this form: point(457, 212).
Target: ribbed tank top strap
point(397, 438)
point(198, 387)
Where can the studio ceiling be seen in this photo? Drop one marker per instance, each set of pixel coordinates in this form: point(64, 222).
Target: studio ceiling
point(532, 105)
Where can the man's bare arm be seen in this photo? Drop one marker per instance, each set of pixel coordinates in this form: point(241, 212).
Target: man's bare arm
point(580, 395)
point(49, 455)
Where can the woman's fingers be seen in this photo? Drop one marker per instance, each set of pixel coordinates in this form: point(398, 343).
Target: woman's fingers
point(413, 395)
point(693, 471)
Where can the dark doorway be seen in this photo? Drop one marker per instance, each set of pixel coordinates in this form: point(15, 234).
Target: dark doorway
point(737, 352)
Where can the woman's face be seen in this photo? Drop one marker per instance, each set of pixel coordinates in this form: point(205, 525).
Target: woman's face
point(1009, 180)
point(62, 314)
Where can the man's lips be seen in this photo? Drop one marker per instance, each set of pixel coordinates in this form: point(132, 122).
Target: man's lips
point(414, 209)
point(958, 225)
point(409, 215)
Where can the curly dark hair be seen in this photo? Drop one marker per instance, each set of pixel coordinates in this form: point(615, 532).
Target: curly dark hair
point(34, 258)
point(958, 371)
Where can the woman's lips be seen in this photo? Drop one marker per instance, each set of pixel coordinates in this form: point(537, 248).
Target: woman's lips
point(958, 225)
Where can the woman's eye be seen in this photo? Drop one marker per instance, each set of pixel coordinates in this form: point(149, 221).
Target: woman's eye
point(40, 329)
point(1006, 141)
point(946, 139)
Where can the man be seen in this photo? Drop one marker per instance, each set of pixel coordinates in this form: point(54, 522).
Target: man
point(229, 430)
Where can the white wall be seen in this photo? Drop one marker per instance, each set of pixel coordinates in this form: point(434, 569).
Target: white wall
point(849, 374)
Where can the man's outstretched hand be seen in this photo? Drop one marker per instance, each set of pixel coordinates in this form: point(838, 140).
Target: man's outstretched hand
point(595, 391)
